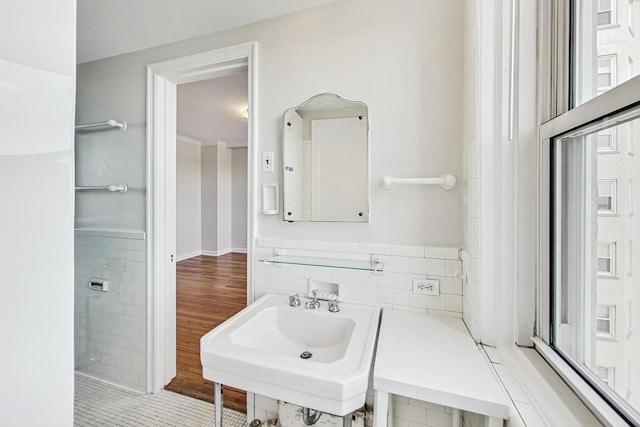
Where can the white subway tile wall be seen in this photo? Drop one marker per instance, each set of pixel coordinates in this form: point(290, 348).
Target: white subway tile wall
point(393, 289)
point(111, 327)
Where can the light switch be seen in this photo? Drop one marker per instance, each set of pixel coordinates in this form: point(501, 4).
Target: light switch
point(267, 161)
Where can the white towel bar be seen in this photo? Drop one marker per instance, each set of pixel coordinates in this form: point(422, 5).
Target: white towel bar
point(123, 188)
point(111, 122)
point(446, 181)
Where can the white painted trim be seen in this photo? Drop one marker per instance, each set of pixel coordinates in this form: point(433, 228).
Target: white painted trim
point(188, 140)
point(239, 250)
point(163, 77)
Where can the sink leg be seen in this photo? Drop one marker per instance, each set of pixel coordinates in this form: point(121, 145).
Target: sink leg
point(346, 420)
point(217, 400)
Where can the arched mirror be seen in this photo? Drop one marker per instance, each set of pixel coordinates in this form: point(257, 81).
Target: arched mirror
point(326, 160)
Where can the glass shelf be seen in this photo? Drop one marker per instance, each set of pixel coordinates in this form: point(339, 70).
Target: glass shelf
point(376, 264)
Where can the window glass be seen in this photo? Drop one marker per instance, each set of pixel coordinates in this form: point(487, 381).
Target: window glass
point(599, 43)
point(606, 75)
point(606, 196)
point(606, 140)
point(591, 296)
point(606, 256)
point(604, 320)
point(606, 374)
point(605, 16)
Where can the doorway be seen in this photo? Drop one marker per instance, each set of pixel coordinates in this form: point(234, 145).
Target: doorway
point(163, 79)
point(211, 222)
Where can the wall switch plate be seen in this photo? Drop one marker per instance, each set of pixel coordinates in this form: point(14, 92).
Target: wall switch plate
point(426, 286)
point(267, 161)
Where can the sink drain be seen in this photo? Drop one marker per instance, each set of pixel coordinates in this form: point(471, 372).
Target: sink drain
point(306, 355)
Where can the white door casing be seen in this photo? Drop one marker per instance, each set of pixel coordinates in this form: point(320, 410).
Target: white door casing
point(162, 80)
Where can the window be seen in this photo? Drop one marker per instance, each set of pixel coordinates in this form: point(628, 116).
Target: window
point(605, 12)
point(606, 196)
point(605, 321)
point(606, 141)
point(606, 374)
point(606, 259)
point(606, 78)
point(579, 303)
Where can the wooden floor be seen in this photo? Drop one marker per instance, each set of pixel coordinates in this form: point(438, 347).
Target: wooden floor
point(209, 290)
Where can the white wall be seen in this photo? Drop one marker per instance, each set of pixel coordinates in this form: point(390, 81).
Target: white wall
point(188, 199)
point(209, 194)
point(37, 44)
point(390, 55)
point(223, 204)
point(239, 199)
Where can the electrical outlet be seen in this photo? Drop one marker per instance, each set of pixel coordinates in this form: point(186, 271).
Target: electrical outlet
point(426, 286)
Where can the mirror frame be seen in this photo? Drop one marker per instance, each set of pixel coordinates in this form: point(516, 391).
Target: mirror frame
point(357, 109)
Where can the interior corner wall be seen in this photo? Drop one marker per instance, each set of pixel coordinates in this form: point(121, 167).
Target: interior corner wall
point(239, 199)
point(223, 233)
point(38, 72)
point(188, 200)
point(209, 195)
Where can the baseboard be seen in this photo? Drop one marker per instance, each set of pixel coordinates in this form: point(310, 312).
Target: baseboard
point(188, 255)
point(224, 252)
point(216, 253)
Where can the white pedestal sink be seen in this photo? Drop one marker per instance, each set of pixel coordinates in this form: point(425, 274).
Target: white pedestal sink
point(259, 350)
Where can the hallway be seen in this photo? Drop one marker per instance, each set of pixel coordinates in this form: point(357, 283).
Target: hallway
point(209, 291)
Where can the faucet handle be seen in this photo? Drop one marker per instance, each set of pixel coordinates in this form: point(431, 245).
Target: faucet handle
point(294, 300)
point(314, 293)
point(333, 306)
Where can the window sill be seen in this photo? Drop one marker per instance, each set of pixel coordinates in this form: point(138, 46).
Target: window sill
point(539, 396)
point(582, 390)
point(608, 152)
point(607, 26)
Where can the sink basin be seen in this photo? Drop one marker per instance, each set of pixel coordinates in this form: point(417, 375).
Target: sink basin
point(260, 348)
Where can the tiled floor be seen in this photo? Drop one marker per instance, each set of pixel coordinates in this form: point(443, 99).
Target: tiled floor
point(98, 404)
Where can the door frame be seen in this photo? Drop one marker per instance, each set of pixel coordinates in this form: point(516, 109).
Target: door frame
point(162, 80)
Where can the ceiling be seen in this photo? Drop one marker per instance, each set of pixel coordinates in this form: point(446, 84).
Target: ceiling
point(211, 110)
point(112, 27)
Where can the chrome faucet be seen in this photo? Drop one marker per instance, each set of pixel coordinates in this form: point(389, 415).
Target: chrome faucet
point(333, 306)
point(294, 300)
point(314, 304)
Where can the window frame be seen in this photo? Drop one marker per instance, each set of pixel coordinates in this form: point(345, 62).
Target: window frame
point(610, 149)
point(611, 319)
point(613, 62)
point(617, 103)
point(613, 196)
point(612, 14)
point(612, 257)
point(611, 375)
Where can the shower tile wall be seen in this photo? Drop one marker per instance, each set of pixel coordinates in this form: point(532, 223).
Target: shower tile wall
point(110, 327)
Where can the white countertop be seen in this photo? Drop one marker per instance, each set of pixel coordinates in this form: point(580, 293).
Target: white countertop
point(434, 359)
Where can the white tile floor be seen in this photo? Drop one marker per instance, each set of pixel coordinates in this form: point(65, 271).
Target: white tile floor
point(98, 404)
